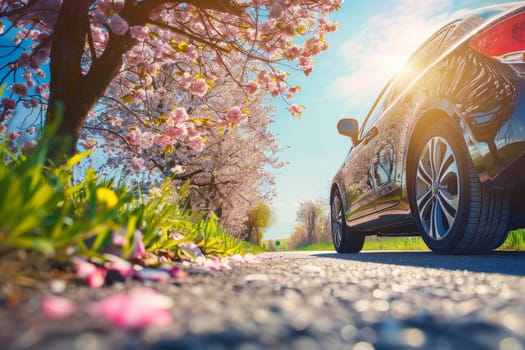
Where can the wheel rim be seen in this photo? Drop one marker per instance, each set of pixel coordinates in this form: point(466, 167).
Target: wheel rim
point(437, 188)
point(337, 221)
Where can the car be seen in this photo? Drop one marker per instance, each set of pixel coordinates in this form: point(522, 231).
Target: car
point(441, 153)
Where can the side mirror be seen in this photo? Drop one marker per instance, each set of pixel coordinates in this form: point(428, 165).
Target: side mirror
point(349, 127)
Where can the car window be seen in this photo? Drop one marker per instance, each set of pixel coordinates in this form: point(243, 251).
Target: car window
point(422, 57)
point(427, 52)
point(379, 107)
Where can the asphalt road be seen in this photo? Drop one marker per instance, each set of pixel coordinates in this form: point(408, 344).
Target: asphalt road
point(316, 300)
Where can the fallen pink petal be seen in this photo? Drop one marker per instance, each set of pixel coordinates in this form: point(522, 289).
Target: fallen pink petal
point(178, 273)
point(55, 307)
point(115, 263)
point(83, 267)
point(96, 279)
point(139, 309)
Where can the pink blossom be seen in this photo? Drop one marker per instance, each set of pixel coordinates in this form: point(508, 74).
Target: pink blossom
point(133, 137)
point(24, 59)
point(55, 307)
point(178, 273)
point(252, 87)
point(147, 139)
point(137, 163)
point(264, 77)
point(27, 75)
point(40, 73)
point(118, 25)
point(295, 110)
point(118, 240)
point(19, 89)
point(308, 69)
point(118, 264)
point(97, 278)
point(293, 52)
point(89, 144)
point(198, 87)
point(181, 115)
point(139, 32)
point(199, 28)
point(138, 249)
point(140, 308)
point(8, 103)
point(83, 267)
point(176, 131)
point(196, 143)
point(14, 135)
point(34, 103)
point(31, 130)
point(266, 27)
point(215, 264)
point(163, 140)
point(235, 116)
point(192, 131)
point(276, 11)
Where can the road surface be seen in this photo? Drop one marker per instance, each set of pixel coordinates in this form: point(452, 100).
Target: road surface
point(315, 300)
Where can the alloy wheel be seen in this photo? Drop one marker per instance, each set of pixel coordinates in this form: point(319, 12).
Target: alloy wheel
point(337, 221)
point(437, 188)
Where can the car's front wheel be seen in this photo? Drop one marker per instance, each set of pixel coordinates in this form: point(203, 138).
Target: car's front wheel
point(454, 212)
point(345, 241)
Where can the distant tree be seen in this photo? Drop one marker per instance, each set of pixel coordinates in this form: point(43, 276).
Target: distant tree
point(259, 219)
point(312, 224)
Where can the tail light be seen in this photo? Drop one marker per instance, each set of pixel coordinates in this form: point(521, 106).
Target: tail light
point(504, 41)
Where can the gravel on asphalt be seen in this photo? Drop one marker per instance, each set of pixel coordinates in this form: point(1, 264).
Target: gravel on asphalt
point(296, 302)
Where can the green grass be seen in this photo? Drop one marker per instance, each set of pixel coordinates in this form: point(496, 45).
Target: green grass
point(515, 241)
point(377, 243)
point(45, 210)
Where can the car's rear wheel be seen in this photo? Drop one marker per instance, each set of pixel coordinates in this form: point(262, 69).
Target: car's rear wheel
point(345, 241)
point(454, 212)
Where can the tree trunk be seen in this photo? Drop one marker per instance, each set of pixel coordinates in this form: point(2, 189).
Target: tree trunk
point(72, 92)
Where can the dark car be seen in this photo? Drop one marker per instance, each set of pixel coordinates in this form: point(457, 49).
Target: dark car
point(441, 153)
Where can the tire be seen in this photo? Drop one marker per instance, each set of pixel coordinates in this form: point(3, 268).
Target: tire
point(455, 214)
point(345, 241)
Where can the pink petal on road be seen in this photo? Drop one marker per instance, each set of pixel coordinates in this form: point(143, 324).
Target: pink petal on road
point(140, 308)
point(55, 307)
point(97, 278)
point(115, 263)
point(84, 268)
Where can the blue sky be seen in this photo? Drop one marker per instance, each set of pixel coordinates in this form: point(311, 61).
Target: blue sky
point(374, 38)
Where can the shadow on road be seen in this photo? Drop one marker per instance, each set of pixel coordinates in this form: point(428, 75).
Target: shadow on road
point(509, 263)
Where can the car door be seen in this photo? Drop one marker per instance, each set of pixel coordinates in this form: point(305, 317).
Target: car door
point(392, 123)
point(365, 170)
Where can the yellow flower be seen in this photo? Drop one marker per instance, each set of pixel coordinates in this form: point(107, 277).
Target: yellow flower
point(107, 196)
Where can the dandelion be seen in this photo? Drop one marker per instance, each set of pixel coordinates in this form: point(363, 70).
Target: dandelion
point(107, 197)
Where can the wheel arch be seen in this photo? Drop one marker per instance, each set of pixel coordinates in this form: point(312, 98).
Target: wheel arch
point(426, 120)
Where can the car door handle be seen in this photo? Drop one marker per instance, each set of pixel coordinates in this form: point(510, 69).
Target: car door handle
point(370, 135)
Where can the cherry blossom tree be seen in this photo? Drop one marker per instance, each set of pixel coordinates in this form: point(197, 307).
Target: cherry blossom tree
point(225, 154)
point(89, 43)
